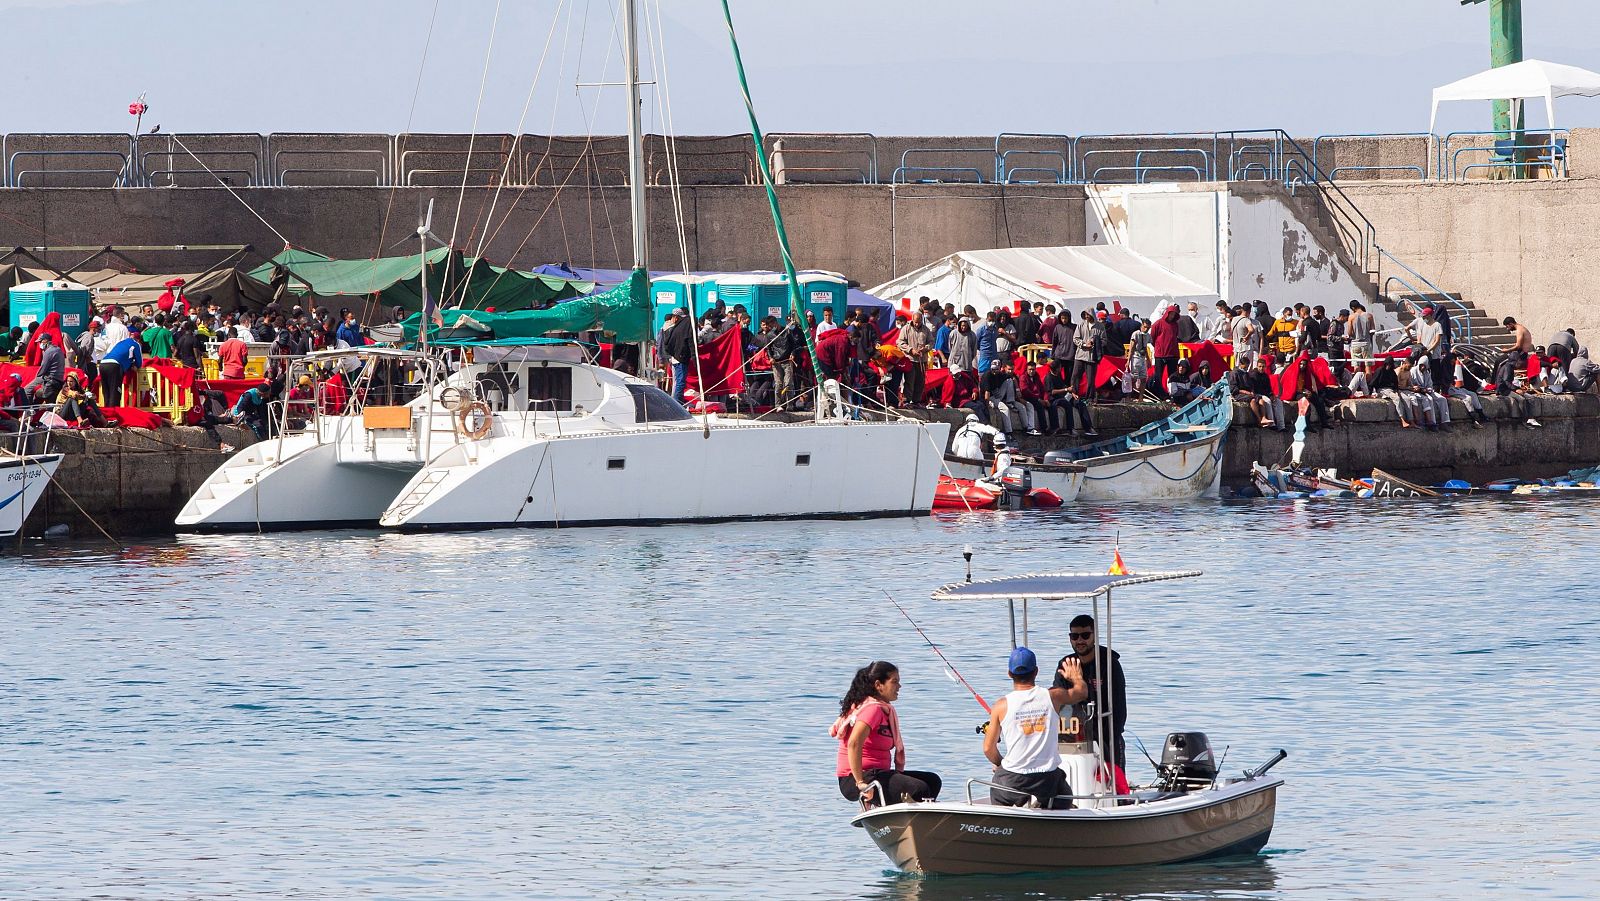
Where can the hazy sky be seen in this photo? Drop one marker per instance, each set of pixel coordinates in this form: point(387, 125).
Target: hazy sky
point(962, 67)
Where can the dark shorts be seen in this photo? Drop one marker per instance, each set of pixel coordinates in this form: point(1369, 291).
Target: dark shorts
point(1021, 788)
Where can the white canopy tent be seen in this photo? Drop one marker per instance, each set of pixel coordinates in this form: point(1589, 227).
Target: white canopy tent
point(1072, 277)
point(1533, 78)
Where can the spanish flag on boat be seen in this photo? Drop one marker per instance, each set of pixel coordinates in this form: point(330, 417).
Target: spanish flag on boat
point(1117, 567)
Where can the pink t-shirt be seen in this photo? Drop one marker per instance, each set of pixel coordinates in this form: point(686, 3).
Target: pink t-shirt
point(878, 752)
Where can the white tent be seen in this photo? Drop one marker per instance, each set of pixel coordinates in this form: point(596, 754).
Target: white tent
point(1531, 78)
point(1072, 277)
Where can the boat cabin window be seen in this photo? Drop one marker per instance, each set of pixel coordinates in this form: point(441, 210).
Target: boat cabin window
point(651, 404)
point(497, 386)
point(549, 388)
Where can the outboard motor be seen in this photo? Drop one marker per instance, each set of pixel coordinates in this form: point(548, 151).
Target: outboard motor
point(1187, 762)
point(1016, 481)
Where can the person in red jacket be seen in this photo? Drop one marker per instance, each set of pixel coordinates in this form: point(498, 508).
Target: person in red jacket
point(833, 353)
point(1164, 347)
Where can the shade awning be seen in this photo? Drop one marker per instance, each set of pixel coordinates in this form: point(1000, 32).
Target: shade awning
point(1076, 278)
point(1050, 586)
point(1531, 78)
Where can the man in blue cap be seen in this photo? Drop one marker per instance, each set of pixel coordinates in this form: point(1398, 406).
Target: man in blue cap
point(1029, 773)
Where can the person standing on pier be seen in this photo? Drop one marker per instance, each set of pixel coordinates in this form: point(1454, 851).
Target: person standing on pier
point(1164, 347)
point(916, 341)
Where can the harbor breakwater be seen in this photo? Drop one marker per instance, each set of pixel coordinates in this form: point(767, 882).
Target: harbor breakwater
point(134, 482)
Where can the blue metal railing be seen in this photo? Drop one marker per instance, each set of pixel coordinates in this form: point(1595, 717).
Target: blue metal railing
point(1003, 170)
point(119, 176)
point(1422, 170)
point(1549, 153)
point(906, 167)
point(1437, 293)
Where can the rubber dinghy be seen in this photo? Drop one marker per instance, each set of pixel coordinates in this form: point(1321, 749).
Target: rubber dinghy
point(1179, 457)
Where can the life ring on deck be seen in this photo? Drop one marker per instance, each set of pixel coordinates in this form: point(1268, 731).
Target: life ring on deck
point(476, 411)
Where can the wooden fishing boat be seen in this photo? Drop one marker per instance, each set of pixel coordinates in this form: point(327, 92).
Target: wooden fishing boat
point(1176, 458)
point(1386, 485)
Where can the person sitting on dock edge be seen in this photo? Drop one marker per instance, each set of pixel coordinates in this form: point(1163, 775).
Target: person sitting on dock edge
point(872, 752)
point(1027, 719)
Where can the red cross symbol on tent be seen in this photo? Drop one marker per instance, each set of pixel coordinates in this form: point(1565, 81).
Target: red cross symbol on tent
point(1050, 286)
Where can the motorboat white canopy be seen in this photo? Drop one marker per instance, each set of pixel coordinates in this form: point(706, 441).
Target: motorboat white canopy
point(1529, 79)
point(1073, 277)
point(1051, 586)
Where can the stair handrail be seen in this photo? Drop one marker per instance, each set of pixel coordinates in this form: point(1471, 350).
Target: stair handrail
point(1440, 293)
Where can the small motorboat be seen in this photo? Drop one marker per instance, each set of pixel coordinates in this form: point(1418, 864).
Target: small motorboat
point(1176, 458)
point(1191, 812)
point(1034, 483)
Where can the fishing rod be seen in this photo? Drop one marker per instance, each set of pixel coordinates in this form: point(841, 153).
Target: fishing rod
point(948, 665)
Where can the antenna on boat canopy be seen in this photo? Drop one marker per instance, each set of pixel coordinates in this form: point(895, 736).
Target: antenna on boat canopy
point(966, 554)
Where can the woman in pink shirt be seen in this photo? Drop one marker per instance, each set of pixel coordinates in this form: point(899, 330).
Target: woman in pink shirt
point(871, 750)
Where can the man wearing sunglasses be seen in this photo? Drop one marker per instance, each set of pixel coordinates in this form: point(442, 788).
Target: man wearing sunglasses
point(1089, 655)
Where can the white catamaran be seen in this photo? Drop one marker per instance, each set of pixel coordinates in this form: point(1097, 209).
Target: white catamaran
point(530, 433)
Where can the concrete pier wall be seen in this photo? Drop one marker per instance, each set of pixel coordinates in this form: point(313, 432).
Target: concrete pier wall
point(130, 481)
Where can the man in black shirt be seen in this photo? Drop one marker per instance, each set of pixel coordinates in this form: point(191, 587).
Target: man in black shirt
point(1091, 717)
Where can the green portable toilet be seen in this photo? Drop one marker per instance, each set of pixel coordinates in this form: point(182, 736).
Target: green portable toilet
point(34, 301)
point(767, 293)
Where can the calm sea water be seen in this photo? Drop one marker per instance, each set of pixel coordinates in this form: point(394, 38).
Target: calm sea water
point(643, 713)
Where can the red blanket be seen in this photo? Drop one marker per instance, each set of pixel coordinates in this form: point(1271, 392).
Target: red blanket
point(721, 365)
point(1288, 384)
point(230, 388)
point(132, 417)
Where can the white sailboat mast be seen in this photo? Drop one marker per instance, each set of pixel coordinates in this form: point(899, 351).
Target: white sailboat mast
point(630, 42)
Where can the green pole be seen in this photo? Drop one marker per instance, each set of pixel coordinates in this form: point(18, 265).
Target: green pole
point(795, 302)
point(1505, 48)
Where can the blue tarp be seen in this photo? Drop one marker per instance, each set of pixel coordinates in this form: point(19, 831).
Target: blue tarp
point(605, 278)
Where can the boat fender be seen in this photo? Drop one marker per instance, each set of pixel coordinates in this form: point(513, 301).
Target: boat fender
point(476, 412)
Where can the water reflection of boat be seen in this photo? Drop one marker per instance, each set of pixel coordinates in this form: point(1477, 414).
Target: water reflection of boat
point(1235, 877)
point(1178, 457)
point(1191, 813)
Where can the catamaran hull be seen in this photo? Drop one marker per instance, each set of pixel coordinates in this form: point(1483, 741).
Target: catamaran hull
point(305, 487)
point(654, 476)
point(23, 481)
point(1172, 472)
point(970, 839)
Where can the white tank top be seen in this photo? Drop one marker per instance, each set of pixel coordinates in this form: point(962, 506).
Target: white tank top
point(1030, 730)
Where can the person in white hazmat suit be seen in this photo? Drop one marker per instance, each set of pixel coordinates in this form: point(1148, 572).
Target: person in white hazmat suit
point(967, 442)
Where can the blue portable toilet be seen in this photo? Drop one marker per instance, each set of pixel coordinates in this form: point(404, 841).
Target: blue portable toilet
point(668, 292)
point(35, 300)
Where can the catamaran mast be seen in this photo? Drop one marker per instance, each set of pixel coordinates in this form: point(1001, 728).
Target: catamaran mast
point(630, 49)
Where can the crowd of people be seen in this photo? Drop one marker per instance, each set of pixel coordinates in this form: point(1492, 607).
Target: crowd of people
point(1031, 721)
point(77, 379)
point(1039, 368)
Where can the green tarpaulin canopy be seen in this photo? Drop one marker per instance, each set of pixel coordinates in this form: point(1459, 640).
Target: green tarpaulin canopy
point(469, 282)
point(623, 311)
